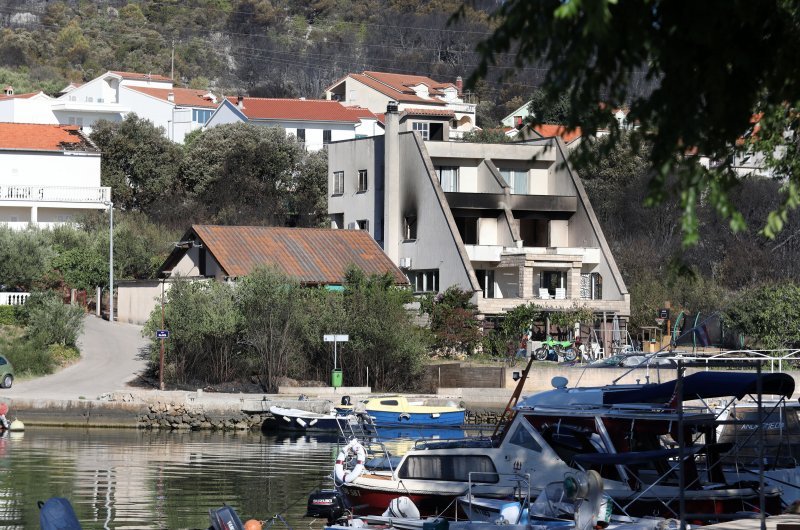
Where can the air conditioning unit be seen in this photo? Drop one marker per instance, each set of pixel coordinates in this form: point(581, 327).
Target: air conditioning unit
point(352, 226)
point(405, 263)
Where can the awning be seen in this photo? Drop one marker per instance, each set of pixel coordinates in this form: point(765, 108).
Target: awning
point(704, 385)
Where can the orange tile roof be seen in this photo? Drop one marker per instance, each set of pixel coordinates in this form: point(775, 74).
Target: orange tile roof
point(429, 112)
point(19, 96)
point(186, 97)
point(548, 130)
point(311, 255)
point(141, 77)
point(296, 109)
point(40, 137)
point(362, 113)
point(397, 86)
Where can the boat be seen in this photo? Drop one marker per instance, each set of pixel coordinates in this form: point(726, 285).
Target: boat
point(779, 451)
point(400, 411)
point(306, 421)
point(630, 434)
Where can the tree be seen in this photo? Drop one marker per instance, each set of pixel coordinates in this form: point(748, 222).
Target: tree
point(769, 314)
point(139, 163)
point(692, 76)
point(515, 324)
point(25, 257)
point(453, 320)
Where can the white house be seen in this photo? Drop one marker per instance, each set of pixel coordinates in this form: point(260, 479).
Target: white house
point(314, 122)
point(48, 175)
point(412, 93)
point(110, 97)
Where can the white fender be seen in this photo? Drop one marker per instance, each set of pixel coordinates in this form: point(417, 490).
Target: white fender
point(361, 457)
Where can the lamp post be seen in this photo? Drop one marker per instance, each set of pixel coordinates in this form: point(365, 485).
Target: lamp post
point(110, 261)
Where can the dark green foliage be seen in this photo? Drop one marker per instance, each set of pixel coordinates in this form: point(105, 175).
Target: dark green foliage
point(692, 76)
point(515, 324)
point(50, 321)
point(8, 315)
point(486, 136)
point(453, 320)
point(768, 315)
point(269, 326)
point(24, 257)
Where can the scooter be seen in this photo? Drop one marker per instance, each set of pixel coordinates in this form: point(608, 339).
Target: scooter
point(552, 349)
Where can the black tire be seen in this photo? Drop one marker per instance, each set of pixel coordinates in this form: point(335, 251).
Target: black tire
point(541, 354)
point(570, 354)
point(7, 381)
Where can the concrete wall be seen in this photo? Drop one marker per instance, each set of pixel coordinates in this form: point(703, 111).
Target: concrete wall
point(50, 168)
point(137, 299)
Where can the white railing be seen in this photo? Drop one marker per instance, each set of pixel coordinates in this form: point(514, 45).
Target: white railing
point(590, 255)
point(13, 298)
point(22, 192)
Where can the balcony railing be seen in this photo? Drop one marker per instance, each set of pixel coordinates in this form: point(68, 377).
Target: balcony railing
point(27, 193)
point(13, 298)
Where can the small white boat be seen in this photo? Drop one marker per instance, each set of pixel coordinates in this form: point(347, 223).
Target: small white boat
point(304, 420)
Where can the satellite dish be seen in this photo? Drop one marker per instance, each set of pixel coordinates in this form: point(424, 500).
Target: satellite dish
point(588, 498)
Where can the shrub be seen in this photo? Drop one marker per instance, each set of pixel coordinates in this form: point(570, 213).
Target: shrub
point(27, 357)
point(50, 321)
point(8, 315)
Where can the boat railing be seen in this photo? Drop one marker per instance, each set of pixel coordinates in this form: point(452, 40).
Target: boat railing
point(522, 490)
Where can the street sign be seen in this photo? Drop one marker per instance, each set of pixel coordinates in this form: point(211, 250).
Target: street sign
point(162, 334)
point(663, 313)
point(336, 338)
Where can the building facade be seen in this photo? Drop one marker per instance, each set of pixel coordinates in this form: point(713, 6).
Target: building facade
point(49, 174)
point(509, 222)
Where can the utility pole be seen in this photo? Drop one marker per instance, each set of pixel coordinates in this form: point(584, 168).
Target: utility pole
point(172, 67)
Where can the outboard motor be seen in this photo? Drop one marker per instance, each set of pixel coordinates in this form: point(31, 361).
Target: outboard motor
point(57, 514)
point(326, 503)
point(224, 518)
point(345, 402)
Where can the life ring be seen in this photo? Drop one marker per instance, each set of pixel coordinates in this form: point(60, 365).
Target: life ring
point(361, 456)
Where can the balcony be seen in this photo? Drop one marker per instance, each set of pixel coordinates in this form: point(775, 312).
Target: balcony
point(21, 193)
point(496, 253)
point(88, 106)
point(496, 306)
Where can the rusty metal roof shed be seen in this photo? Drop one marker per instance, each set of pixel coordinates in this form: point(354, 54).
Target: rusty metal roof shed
point(313, 256)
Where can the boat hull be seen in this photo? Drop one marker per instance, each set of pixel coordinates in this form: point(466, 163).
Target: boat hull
point(430, 419)
point(302, 421)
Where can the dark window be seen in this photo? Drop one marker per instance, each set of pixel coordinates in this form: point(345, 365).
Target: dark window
point(436, 132)
point(363, 224)
point(597, 286)
point(301, 135)
point(326, 136)
point(425, 281)
point(362, 180)
point(202, 261)
point(468, 228)
point(461, 468)
point(392, 402)
point(410, 228)
point(486, 281)
point(338, 183)
point(534, 232)
point(523, 438)
point(552, 280)
point(3, 361)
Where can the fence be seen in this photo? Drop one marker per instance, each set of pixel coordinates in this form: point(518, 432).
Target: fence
point(13, 298)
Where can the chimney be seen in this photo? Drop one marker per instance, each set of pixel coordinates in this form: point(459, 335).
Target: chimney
point(459, 85)
point(171, 97)
point(9, 90)
point(240, 101)
point(392, 217)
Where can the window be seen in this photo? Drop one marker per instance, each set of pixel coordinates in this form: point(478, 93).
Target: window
point(523, 438)
point(338, 183)
point(517, 179)
point(201, 115)
point(422, 128)
point(424, 281)
point(326, 137)
point(467, 229)
point(363, 224)
point(301, 136)
point(448, 177)
point(89, 99)
point(73, 98)
point(101, 100)
point(486, 281)
point(362, 180)
point(592, 286)
point(410, 227)
point(552, 280)
point(461, 468)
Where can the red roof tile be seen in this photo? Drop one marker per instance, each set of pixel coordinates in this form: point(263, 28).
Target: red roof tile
point(296, 109)
point(186, 97)
point(362, 113)
point(141, 77)
point(429, 112)
point(41, 137)
point(397, 86)
point(548, 130)
point(19, 96)
point(310, 255)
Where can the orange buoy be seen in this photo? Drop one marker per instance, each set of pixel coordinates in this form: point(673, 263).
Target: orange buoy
point(252, 524)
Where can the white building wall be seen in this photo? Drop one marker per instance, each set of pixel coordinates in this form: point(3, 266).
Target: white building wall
point(50, 169)
point(32, 110)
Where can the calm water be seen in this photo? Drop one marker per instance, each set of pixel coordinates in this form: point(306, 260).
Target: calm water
point(140, 479)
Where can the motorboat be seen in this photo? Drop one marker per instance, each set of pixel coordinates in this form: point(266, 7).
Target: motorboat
point(306, 421)
point(777, 447)
point(630, 434)
point(400, 411)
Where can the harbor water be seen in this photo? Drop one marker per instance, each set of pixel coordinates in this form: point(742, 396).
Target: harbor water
point(119, 478)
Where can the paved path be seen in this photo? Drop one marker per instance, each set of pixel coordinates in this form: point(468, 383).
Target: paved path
point(111, 355)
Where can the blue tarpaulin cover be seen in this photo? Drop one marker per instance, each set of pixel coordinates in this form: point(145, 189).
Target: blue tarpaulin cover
point(705, 385)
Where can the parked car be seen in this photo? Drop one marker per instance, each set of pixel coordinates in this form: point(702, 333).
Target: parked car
point(6, 372)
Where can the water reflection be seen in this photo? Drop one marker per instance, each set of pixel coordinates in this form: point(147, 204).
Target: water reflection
point(142, 479)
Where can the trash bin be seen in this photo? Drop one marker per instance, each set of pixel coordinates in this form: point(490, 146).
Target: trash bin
point(336, 378)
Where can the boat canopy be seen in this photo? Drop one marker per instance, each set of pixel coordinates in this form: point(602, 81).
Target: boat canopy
point(704, 385)
point(635, 457)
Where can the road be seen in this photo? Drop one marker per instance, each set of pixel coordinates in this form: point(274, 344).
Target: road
point(112, 354)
